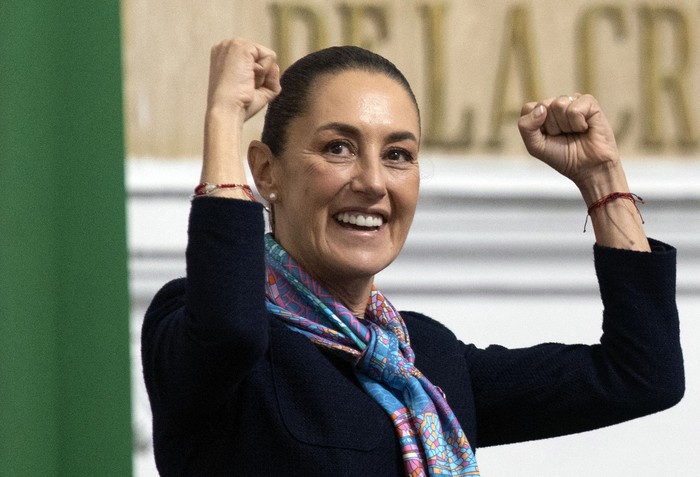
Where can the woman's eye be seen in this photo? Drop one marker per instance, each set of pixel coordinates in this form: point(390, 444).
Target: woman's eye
point(339, 148)
point(399, 155)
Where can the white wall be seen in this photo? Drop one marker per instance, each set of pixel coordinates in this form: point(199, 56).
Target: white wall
point(496, 253)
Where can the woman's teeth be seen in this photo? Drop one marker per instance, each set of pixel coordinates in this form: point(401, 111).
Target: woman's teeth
point(360, 220)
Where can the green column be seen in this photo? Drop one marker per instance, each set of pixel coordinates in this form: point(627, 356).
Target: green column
point(64, 305)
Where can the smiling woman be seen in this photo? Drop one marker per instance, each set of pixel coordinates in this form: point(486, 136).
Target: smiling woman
point(277, 355)
point(346, 181)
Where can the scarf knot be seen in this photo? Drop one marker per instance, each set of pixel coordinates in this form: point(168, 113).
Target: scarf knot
point(384, 362)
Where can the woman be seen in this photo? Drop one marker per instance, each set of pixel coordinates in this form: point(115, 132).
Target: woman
point(278, 356)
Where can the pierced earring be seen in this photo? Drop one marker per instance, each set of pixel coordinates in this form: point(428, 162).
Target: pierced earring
point(273, 197)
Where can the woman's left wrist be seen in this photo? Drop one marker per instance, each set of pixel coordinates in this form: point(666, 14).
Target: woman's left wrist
point(602, 183)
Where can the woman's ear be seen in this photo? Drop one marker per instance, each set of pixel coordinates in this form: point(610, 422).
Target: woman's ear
point(260, 161)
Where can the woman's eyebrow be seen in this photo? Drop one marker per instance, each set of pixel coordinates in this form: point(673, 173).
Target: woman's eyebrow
point(340, 127)
point(351, 130)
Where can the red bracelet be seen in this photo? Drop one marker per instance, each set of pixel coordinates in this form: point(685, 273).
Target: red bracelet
point(612, 197)
point(205, 188)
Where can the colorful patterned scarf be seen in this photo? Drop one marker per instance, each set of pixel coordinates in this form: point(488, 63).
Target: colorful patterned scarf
point(432, 441)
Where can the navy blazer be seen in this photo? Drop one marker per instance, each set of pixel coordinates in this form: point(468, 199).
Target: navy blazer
point(235, 392)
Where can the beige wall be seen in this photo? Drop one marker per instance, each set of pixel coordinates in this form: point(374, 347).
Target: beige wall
point(471, 63)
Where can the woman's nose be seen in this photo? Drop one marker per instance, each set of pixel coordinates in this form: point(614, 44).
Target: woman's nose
point(370, 176)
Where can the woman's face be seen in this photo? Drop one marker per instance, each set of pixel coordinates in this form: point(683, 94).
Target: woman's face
point(348, 178)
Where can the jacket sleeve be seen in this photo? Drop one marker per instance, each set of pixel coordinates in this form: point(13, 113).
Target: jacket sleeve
point(555, 389)
point(203, 334)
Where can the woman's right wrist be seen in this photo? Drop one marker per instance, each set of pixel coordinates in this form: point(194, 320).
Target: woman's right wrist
point(223, 132)
point(232, 113)
point(223, 125)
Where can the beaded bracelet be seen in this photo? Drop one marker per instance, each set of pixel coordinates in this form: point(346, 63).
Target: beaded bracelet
point(612, 197)
point(205, 188)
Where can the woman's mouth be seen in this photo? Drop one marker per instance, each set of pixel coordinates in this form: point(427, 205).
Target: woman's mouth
point(363, 221)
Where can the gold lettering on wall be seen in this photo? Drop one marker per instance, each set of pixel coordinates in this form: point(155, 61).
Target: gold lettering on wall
point(472, 64)
point(658, 78)
point(517, 58)
point(434, 133)
point(353, 18)
point(283, 22)
point(588, 36)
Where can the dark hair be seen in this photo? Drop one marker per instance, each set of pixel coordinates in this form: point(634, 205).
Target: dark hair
point(298, 80)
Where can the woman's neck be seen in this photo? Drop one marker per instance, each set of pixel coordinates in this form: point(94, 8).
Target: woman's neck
point(354, 294)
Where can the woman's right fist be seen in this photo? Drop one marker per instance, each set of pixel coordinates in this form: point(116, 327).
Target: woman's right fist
point(243, 77)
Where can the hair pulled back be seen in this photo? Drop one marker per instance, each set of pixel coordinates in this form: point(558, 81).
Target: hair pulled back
point(301, 77)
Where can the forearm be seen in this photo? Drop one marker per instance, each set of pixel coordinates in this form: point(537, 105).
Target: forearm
point(203, 335)
point(225, 269)
point(243, 79)
point(222, 162)
point(617, 224)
